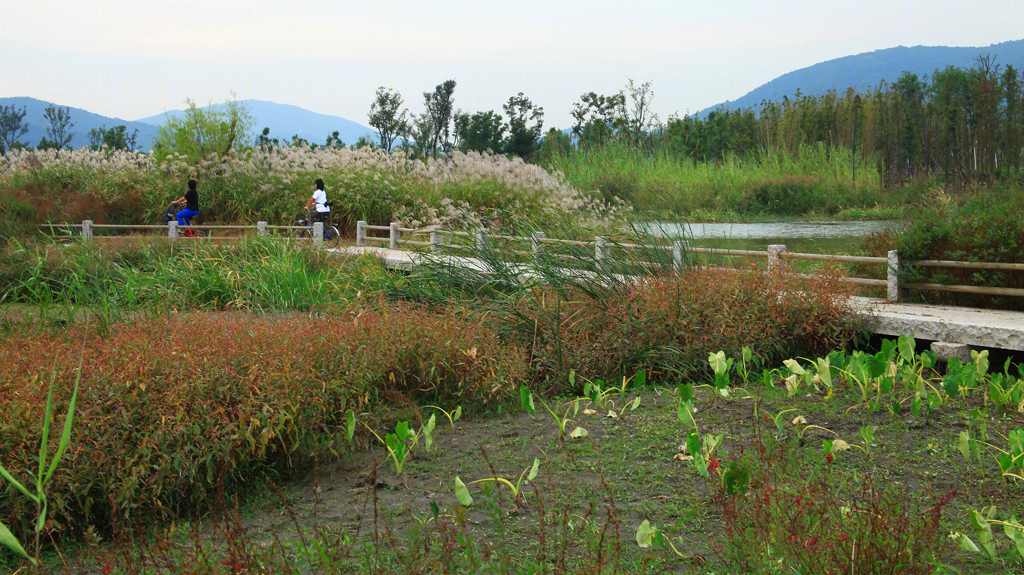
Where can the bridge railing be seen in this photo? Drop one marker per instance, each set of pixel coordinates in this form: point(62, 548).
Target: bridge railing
point(435, 239)
point(85, 231)
point(896, 289)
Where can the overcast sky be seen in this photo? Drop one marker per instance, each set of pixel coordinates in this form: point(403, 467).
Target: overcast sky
point(136, 59)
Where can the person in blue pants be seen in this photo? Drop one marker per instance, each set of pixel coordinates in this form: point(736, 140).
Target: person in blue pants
point(191, 201)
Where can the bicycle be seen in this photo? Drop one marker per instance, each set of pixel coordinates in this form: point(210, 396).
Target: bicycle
point(331, 234)
point(186, 231)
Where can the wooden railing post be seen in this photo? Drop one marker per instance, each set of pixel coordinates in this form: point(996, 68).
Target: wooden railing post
point(360, 233)
point(894, 292)
point(261, 229)
point(395, 236)
point(318, 233)
point(775, 252)
point(86, 231)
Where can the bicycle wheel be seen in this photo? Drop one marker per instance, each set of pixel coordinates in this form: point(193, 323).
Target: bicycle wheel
point(305, 234)
point(331, 236)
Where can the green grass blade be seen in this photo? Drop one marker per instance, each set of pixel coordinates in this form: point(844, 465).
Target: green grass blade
point(7, 477)
point(12, 543)
point(65, 437)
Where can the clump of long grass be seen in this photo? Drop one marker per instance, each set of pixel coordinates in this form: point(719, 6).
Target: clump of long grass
point(272, 183)
point(637, 302)
point(255, 275)
point(815, 180)
point(176, 404)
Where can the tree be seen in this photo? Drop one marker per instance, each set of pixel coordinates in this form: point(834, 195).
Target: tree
point(439, 108)
point(334, 140)
point(641, 120)
point(264, 139)
point(116, 138)
point(60, 123)
point(523, 137)
point(385, 116)
point(1014, 123)
point(12, 128)
point(596, 117)
point(480, 132)
point(418, 135)
point(555, 143)
point(199, 132)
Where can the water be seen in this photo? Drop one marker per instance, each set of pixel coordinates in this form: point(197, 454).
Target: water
point(832, 237)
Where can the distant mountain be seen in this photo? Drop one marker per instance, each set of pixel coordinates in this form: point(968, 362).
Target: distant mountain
point(83, 122)
point(286, 121)
point(283, 120)
point(866, 71)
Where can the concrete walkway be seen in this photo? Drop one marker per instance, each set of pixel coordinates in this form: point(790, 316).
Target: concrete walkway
point(954, 325)
point(958, 326)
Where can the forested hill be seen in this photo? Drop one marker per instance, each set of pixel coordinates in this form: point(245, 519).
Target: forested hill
point(869, 70)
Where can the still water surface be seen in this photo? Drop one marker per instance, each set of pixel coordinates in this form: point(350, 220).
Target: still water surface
point(804, 236)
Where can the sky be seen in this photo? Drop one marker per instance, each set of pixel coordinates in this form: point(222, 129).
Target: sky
point(135, 59)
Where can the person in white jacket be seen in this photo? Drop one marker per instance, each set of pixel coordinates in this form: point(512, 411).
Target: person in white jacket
point(319, 200)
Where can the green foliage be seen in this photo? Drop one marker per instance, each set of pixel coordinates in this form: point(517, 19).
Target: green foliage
point(523, 137)
point(12, 128)
point(40, 486)
point(178, 407)
point(386, 118)
point(986, 226)
point(199, 132)
point(481, 132)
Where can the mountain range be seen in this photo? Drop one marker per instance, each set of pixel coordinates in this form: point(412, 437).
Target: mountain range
point(862, 72)
point(869, 70)
point(283, 120)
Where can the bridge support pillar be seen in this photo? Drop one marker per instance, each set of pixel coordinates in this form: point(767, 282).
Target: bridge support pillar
point(945, 351)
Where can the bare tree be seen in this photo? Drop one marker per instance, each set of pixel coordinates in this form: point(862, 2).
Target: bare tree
point(641, 119)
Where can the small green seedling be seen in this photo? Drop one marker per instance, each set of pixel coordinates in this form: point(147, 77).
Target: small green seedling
point(462, 489)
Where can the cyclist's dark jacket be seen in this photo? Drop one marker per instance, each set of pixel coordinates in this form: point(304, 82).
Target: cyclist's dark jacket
point(192, 200)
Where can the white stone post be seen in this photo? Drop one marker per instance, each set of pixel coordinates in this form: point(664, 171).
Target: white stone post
point(679, 248)
point(599, 243)
point(172, 229)
point(535, 239)
point(318, 233)
point(395, 236)
point(86, 231)
point(775, 252)
point(360, 233)
point(894, 292)
point(435, 239)
point(261, 229)
point(481, 239)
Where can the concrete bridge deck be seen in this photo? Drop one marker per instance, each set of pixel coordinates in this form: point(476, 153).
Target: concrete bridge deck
point(954, 325)
point(958, 326)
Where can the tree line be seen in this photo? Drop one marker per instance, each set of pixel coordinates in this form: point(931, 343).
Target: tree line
point(963, 125)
